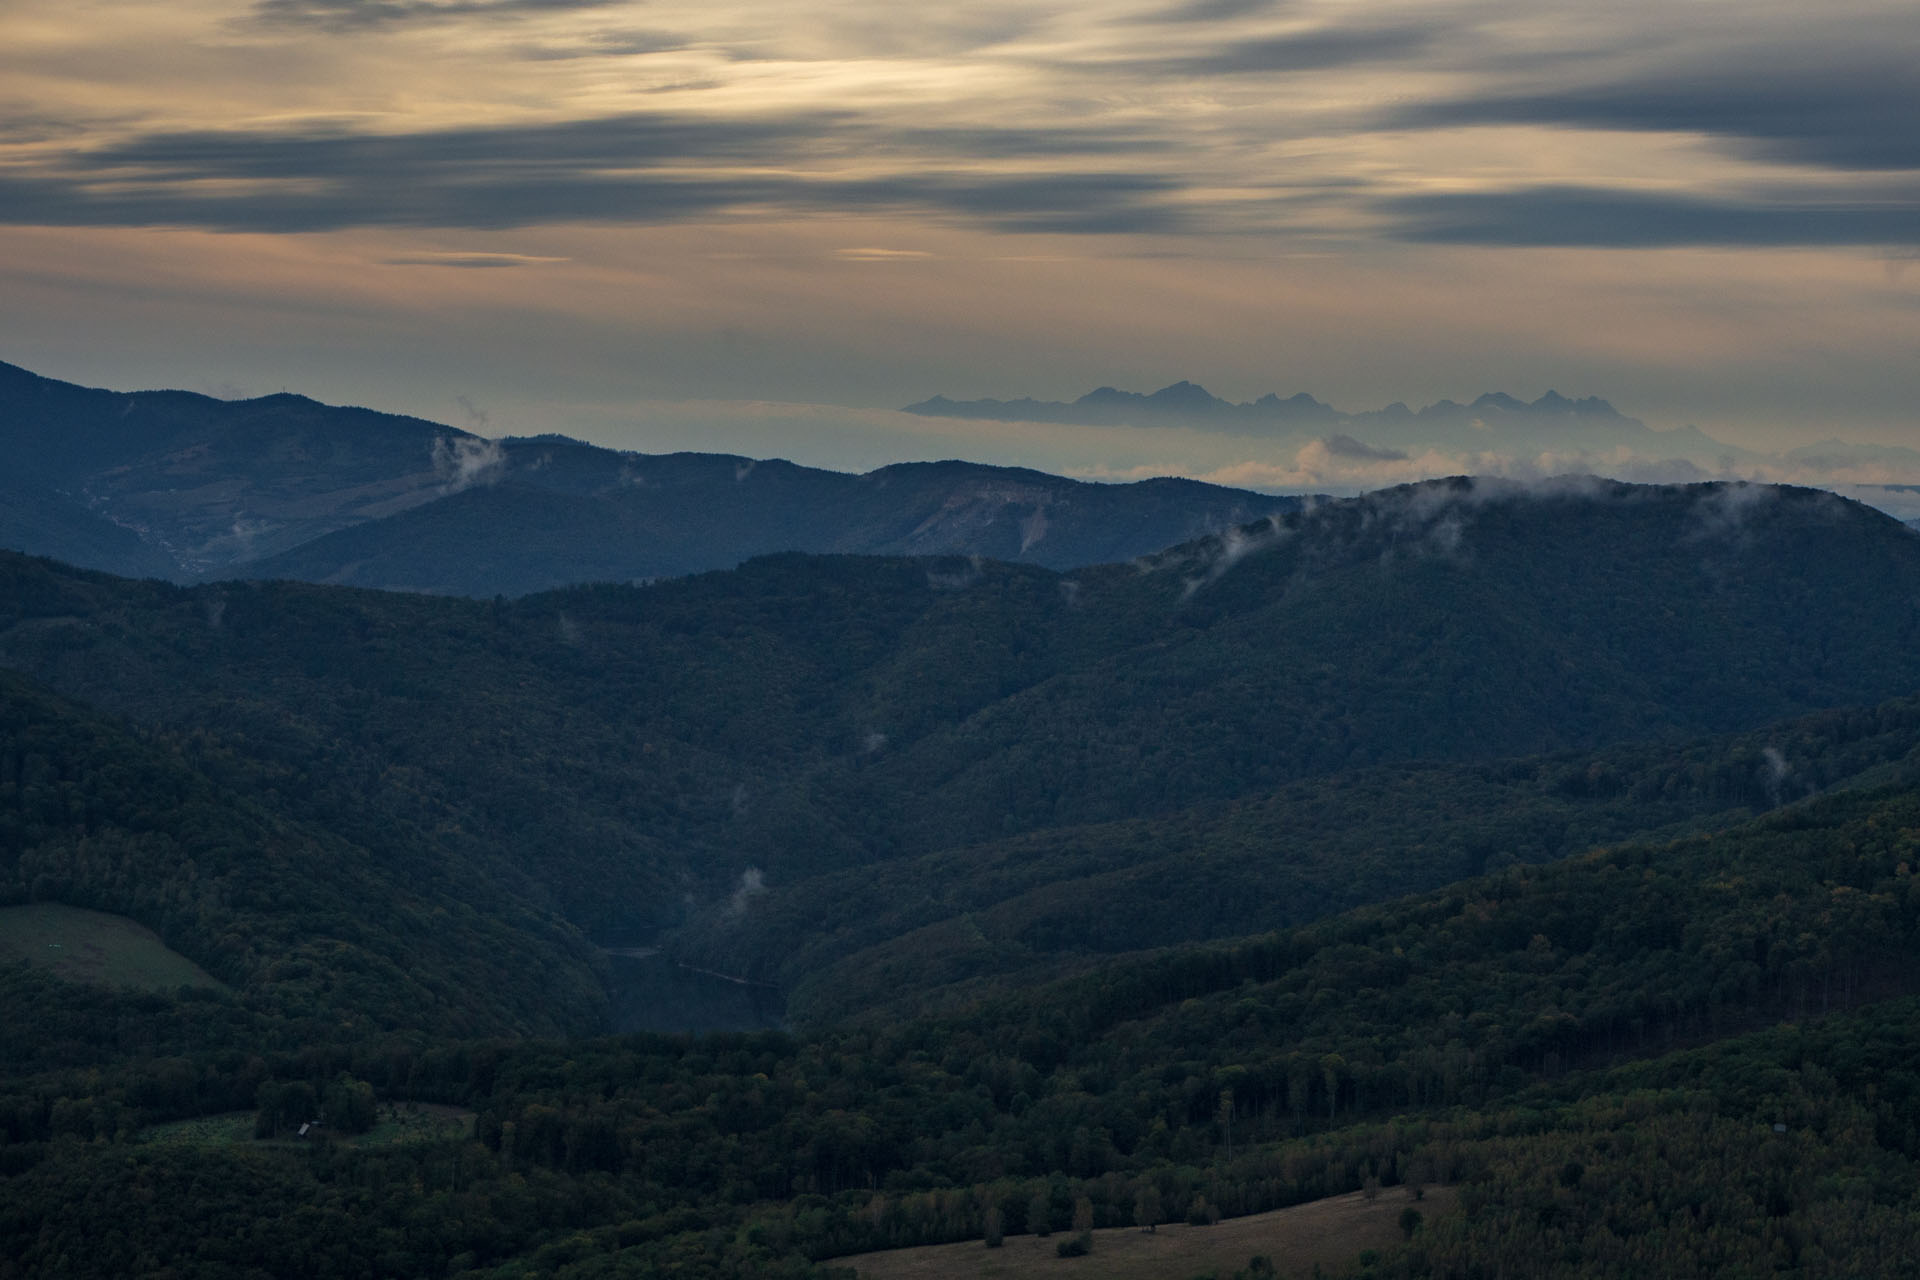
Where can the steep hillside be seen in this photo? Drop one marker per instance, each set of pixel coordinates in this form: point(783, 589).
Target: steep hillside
point(47, 521)
point(318, 936)
point(1450, 620)
point(889, 940)
point(204, 482)
point(554, 511)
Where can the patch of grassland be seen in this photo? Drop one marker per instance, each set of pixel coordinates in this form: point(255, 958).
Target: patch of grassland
point(415, 1122)
point(203, 1131)
point(1326, 1233)
point(94, 947)
point(398, 1124)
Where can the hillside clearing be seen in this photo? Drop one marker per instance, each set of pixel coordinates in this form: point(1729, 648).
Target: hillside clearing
point(398, 1125)
point(92, 946)
point(1323, 1233)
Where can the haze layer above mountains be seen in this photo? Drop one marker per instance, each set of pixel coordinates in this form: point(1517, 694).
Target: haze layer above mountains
point(1495, 421)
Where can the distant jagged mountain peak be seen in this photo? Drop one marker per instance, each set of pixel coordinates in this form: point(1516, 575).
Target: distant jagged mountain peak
point(1185, 395)
point(1190, 397)
point(1494, 420)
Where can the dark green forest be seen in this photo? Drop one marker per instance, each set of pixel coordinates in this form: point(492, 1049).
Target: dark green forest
point(1558, 846)
point(1520, 1034)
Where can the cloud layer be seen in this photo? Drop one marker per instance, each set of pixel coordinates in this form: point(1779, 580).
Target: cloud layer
point(1698, 210)
point(1210, 117)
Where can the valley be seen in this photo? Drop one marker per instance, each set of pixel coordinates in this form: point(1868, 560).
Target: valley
point(1170, 640)
point(1473, 837)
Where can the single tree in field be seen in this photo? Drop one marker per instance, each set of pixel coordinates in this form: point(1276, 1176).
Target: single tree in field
point(1040, 1213)
point(1146, 1208)
point(1082, 1242)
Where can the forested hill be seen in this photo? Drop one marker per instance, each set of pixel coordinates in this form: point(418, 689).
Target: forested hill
point(386, 825)
point(319, 937)
point(1527, 1036)
point(174, 483)
point(941, 929)
point(696, 751)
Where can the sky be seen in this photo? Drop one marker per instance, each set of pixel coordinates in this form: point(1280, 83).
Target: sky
point(763, 227)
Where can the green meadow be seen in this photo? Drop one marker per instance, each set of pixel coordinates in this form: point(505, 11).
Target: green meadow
point(92, 946)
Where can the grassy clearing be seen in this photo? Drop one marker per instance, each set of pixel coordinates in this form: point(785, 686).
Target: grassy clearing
point(1326, 1233)
point(419, 1122)
point(203, 1131)
point(398, 1124)
point(94, 947)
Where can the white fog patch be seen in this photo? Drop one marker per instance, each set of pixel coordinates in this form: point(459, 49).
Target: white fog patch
point(1230, 548)
point(752, 885)
point(1033, 528)
point(466, 461)
point(950, 580)
point(873, 742)
point(1444, 537)
point(1777, 772)
point(1722, 512)
point(245, 532)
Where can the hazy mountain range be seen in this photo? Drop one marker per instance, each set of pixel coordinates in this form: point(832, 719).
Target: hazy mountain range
point(1495, 422)
point(184, 486)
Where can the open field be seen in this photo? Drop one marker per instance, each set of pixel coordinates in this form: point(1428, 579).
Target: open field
point(419, 1122)
point(203, 1131)
point(1324, 1233)
point(92, 946)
